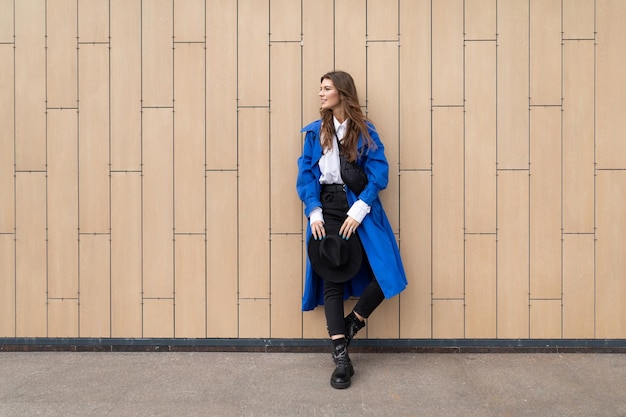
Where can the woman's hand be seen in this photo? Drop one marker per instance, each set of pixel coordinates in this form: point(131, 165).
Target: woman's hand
point(317, 230)
point(348, 227)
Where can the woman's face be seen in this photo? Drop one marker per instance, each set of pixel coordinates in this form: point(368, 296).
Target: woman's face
point(329, 96)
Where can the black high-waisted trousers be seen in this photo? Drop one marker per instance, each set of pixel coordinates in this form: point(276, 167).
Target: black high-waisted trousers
point(335, 208)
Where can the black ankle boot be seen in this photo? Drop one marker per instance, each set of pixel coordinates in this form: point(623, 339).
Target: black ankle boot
point(353, 325)
point(343, 366)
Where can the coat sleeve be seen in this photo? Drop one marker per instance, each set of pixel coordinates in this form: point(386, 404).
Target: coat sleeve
point(376, 168)
point(307, 183)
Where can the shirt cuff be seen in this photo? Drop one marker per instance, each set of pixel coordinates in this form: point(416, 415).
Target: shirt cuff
point(316, 215)
point(359, 210)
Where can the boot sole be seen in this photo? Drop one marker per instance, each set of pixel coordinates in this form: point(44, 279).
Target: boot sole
point(342, 385)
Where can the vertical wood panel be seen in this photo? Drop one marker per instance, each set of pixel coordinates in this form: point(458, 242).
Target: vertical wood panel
point(610, 85)
point(448, 212)
point(7, 28)
point(7, 141)
point(93, 134)
point(7, 285)
point(190, 287)
point(545, 319)
point(416, 250)
point(286, 288)
point(382, 20)
point(254, 318)
point(221, 75)
point(221, 247)
point(158, 215)
point(95, 286)
point(156, 53)
point(578, 19)
point(62, 204)
point(545, 52)
point(63, 318)
point(447, 52)
point(285, 20)
point(61, 65)
point(385, 322)
point(350, 41)
point(578, 135)
point(253, 52)
point(448, 319)
point(513, 256)
point(158, 318)
point(285, 120)
point(610, 260)
point(93, 21)
point(30, 255)
point(481, 274)
point(30, 81)
point(126, 266)
point(545, 203)
point(415, 82)
point(480, 19)
point(189, 21)
point(125, 79)
point(513, 88)
point(189, 134)
point(480, 137)
point(253, 205)
point(578, 287)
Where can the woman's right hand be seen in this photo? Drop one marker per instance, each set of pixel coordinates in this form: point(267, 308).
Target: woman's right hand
point(317, 230)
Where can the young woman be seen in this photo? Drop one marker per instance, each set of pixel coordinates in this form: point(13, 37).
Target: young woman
point(333, 208)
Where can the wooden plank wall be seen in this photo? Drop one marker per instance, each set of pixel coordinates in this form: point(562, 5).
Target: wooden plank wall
point(148, 160)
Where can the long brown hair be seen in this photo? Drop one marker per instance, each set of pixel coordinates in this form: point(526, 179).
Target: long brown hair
point(349, 99)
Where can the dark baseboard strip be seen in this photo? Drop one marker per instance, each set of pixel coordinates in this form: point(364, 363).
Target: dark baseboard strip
point(313, 345)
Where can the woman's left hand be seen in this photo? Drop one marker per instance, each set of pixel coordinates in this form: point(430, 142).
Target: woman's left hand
point(348, 228)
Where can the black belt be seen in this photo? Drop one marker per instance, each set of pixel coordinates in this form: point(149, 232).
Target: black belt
point(332, 188)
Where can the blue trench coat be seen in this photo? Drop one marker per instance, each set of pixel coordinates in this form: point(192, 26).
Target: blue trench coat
point(375, 232)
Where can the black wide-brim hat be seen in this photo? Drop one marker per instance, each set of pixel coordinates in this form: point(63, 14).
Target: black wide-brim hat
point(334, 258)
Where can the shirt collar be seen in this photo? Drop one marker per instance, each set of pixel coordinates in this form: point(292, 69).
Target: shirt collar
point(338, 125)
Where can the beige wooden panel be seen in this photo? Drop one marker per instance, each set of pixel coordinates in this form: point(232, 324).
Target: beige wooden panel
point(125, 85)
point(447, 204)
point(95, 286)
point(610, 86)
point(314, 324)
point(7, 285)
point(7, 141)
point(384, 323)
point(448, 319)
point(610, 259)
point(578, 286)
point(253, 52)
point(545, 319)
point(62, 317)
point(513, 256)
point(512, 101)
point(93, 21)
point(382, 20)
point(447, 52)
point(62, 62)
point(579, 19)
point(62, 204)
point(6, 21)
point(578, 135)
point(93, 134)
point(126, 265)
point(254, 317)
point(30, 81)
point(480, 137)
point(415, 77)
point(189, 134)
point(285, 120)
point(416, 249)
point(286, 286)
point(350, 42)
point(30, 255)
point(480, 19)
point(545, 52)
point(285, 20)
point(480, 286)
point(317, 58)
point(254, 202)
point(221, 247)
point(158, 317)
point(190, 287)
point(383, 109)
point(158, 215)
point(156, 53)
point(545, 203)
point(221, 86)
point(189, 21)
